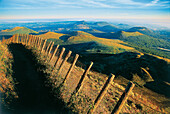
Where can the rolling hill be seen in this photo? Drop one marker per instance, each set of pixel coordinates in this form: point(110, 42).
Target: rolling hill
point(78, 25)
point(144, 43)
point(90, 43)
point(108, 28)
point(116, 56)
point(143, 30)
point(124, 26)
point(128, 54)
point(148, 32)
point(17, 30)
point(49, 35)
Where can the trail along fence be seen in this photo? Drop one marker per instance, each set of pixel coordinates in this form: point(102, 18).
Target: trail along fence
point(41, 45)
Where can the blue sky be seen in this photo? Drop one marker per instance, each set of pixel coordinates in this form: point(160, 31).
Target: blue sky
point(157, 11)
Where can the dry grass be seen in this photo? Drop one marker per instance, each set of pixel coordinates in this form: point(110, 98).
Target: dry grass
point(138, 101)
point(11, 30)
point(6, 81)
point(92, 85)
point(49, 35)
point(127, 34)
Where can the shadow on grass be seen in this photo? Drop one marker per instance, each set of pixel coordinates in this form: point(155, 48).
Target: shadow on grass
point(34, 96)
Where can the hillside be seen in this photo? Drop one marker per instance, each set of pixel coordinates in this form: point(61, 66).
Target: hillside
point(85, 42)
point(17, 30)
point(108, 28)
point(113, 55)
point(44, 85)
point(124, 26)
point(128, 54)
point(143, 30)
point(49, 35)
point(149, 32)
point(78, 25)
point(144, 43)
point(101, 23)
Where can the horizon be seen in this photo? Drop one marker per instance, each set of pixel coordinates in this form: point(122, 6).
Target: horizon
point(146, 11)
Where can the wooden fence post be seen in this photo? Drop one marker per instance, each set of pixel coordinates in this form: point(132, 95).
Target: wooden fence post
point(17, 38)
point(102, 93)
point(60, 56)
point(123, 98)
point(29, 40)
point(31, 43)
point(35, 43)
point(43, 46)
point(34, 40)
point(39, 44)
point(71, 68)
point(79, 85)
point(50, 49)
point(63, 62)
point(54, 53)
point(23, 39)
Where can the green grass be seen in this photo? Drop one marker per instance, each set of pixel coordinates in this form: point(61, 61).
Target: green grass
point(17, 30)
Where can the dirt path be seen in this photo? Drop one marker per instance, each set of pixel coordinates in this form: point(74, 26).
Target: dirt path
point(34, 97)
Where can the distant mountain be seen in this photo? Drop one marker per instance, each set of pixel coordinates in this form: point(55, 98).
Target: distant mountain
point(92, 31)
point(144, 43)
point(102, 23)
point(80, 33)
point(124, 26)
point(157, 34)
point(143, 30)
point(78, 25)
point(90, 43)
point(17, 30)
point(108, 28)
point(124, 35)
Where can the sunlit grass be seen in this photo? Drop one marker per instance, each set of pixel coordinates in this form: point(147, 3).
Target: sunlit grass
point(7, 86)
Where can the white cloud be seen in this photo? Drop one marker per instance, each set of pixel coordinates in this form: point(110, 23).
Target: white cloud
point(154, 2)
point(34, 4)
point(97, 4)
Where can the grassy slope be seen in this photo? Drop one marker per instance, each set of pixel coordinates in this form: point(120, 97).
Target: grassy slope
point(99, 44)
point(49, 35)
point(144, 43)
point(6, 80)
point(17, 30)
point(93, 84)
point(145, 70)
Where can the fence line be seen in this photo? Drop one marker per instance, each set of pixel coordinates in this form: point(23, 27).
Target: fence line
point(63, 62)
point(102, 93)
point(39, 43)
point(58, 59)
